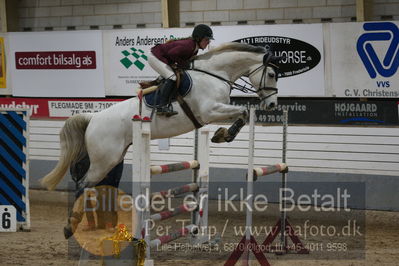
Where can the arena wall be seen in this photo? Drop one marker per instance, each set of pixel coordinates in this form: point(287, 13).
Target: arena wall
point(366, 155)
point(39, 15)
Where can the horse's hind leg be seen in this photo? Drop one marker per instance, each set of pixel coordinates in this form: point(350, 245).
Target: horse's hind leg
point(78, 171)
point(97, 171)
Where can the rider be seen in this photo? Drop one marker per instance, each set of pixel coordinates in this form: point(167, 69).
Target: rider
point(177, 53)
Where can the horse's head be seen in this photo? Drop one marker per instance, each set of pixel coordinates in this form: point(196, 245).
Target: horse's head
point(233, 60)
point(264, 79)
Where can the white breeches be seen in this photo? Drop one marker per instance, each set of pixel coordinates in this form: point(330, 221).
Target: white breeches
point(163, 69)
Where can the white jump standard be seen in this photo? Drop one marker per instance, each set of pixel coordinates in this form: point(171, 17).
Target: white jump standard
point(198, 207)
point(248, 242)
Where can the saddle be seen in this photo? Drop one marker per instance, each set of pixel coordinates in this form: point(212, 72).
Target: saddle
point(183, 87)
point(184, 84)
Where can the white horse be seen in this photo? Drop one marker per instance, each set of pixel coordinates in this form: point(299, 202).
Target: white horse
point(105, 136)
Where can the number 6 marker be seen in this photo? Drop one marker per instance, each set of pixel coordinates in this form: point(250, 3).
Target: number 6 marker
point(8, 218)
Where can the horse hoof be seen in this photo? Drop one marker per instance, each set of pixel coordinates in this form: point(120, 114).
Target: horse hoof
point(68, 232)
point(229, 138)
point(216, 139)
point(220, 135)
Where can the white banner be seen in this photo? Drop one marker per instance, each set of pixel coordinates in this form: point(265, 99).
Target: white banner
point(69, 108)
point(302, 70)
point(57, 64)
point(125, 54)
point(365, 59)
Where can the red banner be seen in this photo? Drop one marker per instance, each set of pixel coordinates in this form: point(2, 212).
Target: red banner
point(57, 108)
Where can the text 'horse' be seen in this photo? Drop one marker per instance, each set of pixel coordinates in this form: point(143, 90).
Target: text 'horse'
point(105, 136)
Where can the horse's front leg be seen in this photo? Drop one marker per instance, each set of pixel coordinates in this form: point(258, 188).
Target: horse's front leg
point(235, 128)
point(228, 135)
point(222, 112)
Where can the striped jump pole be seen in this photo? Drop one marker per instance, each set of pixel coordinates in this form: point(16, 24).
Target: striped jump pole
point(171, 193)
point(184, 208)
point(167, 168)
point(262, 171)
point(14, 164)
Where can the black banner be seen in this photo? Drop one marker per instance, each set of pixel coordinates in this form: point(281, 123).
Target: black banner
point(298, 56)
point(326, 112)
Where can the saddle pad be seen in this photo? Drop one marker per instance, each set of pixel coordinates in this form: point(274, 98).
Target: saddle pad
point(185, 87)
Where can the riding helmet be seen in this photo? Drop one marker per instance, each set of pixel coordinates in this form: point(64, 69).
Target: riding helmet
point(202, 31)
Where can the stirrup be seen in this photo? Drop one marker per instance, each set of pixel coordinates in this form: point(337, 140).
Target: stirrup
point(161, 110)
point(166, 111)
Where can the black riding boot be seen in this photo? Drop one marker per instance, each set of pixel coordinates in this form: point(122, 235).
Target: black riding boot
point(164, 107)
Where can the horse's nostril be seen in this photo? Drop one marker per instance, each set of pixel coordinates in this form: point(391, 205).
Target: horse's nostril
point(272, 105)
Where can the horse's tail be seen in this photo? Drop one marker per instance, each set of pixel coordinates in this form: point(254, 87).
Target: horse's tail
point(73, 148)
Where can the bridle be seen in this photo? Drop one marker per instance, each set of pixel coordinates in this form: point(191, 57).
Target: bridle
point(268, 60)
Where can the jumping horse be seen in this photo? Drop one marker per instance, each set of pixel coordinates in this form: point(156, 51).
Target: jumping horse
point(105, 136)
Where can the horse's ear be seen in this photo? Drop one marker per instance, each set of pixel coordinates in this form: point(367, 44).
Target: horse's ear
point(267, 58)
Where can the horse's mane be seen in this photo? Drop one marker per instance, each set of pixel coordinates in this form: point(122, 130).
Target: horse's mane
point(233, 46)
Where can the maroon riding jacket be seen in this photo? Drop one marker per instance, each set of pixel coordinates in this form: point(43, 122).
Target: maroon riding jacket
point(176, 52)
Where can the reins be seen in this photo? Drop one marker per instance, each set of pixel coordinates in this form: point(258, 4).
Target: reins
point(243, 88)
point(233, 85)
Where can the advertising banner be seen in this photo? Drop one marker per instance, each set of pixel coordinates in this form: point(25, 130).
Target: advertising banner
point(302, 69)
point(302, 112)
point(327, 112)
point(125, 57)
point(3, 74)
point(57, 64)
point(365, 59)
point(57, 108)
